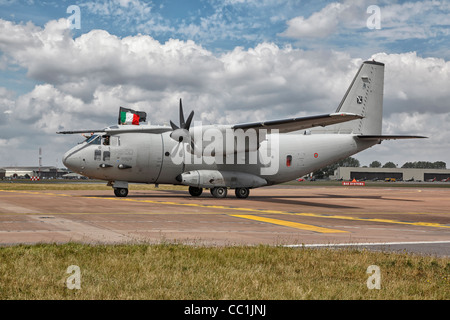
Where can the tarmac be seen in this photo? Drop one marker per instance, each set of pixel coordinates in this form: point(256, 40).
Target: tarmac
point(378, 218)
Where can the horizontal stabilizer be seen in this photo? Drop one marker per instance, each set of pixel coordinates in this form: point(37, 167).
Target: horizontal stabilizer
point(294, 124)
point(387, 137)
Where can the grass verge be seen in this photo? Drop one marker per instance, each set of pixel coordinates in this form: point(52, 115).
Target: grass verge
point(171, 271)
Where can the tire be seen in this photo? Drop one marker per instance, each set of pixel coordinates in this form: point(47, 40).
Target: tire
point(242, 193)
point(195, 192)
point(121, 192)
point(219, 192)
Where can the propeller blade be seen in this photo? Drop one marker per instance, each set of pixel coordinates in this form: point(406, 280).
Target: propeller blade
point(181, 133)
point(173, 125)
point(182, 123)
point(189, 120)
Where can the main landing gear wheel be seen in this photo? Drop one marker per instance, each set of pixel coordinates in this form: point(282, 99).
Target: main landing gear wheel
point(219, 192)
point(121, 192)
point(195, 192)
point(242, 193)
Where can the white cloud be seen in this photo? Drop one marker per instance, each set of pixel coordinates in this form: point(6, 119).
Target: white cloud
point(434, 148)
point(415, 84)
point(86, 79)
point(125, 10)
point(320, 24)
point(408, 20)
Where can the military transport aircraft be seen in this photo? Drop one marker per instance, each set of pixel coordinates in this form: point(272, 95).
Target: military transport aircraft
point(240, 156)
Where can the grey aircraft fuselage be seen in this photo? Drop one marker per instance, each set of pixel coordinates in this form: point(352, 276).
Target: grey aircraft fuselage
point(147, 158)
point(285, 150)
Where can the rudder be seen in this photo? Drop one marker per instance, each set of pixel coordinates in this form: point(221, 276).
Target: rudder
point(363, 97)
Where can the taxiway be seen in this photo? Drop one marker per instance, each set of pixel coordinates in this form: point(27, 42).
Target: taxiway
point(415, 220)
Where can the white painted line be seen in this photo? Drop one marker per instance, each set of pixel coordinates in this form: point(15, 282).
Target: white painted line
point(362, 244)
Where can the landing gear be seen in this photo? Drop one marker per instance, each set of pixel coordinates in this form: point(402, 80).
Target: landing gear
point(219, 192)
point(120, 187)
point(242, 193)
point(121, 192)
point(195, 192)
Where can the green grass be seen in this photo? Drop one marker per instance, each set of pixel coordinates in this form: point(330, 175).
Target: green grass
point(171, 271)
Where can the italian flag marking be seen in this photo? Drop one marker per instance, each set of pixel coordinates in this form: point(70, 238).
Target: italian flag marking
point(129, 118)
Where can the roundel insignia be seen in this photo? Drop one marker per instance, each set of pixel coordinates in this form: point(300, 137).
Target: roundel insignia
point(316, 155)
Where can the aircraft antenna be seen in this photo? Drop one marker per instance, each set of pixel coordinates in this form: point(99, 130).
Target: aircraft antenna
point(40, 161)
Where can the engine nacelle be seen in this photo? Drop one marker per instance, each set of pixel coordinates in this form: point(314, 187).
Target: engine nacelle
point(216, 178)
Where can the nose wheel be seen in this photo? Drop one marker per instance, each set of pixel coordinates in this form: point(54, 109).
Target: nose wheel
point(121, 192)
point(195, 192)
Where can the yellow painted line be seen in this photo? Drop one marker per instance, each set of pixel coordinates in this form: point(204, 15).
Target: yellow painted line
point(423, 224)
point(5, 213)
point(254, 210)
point(288, 224)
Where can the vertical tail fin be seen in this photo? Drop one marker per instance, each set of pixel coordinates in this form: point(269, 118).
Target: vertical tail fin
point(364, 97)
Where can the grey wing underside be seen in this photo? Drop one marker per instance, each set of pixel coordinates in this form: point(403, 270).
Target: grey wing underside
point(294, 124)
point(388, 137)
point(122, 129)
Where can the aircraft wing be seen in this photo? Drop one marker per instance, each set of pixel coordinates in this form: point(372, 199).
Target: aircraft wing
point(122, 129)
point(81, 131)
point(294, 124)
point(138, 129)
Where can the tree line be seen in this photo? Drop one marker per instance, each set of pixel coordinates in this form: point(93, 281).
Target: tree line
point(414, 165)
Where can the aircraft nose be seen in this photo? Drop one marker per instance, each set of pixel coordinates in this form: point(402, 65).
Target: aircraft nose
point(71, 161)
point(65, 160)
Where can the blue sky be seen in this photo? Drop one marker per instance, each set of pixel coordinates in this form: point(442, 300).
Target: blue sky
point(232, 60)
point(223, 25)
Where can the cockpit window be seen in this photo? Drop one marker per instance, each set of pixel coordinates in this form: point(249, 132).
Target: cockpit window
point(94, 139)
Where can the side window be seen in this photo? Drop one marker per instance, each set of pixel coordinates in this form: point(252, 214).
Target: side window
point(97, 155)
point(106, 140)
point(106, 155)
point(115, 141)
point(288, 160)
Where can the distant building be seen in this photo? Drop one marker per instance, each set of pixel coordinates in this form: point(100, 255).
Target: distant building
point(350, 173)
point(27, 172)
